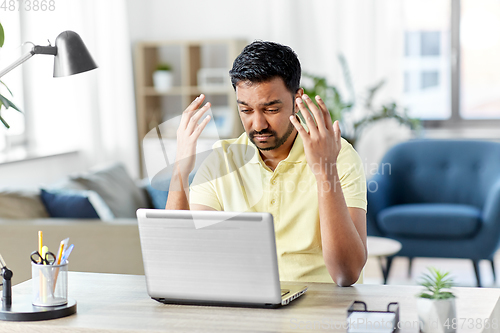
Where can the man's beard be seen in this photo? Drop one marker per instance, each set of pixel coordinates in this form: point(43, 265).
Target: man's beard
point(279, 141)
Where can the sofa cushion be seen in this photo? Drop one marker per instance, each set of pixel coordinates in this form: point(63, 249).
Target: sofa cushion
point(430, 220)
point(21, 205)
point(75, 204)
point(116, 188)
point(68, 205)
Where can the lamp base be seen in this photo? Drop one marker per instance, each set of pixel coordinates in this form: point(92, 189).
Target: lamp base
point(23, 310)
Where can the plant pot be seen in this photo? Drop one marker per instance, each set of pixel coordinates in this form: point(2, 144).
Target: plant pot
point(163, 80)
point(437, 316)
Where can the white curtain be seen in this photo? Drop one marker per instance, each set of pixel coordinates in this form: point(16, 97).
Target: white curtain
point(93, 111)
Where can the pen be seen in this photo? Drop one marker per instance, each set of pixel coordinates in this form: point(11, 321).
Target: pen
point(63, 261)
point(40, 242)
point(62, 248)
point(58, 262)
point(60, 253)
point(67, 253)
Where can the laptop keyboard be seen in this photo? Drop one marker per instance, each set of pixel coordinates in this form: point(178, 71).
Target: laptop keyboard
point(284, 292)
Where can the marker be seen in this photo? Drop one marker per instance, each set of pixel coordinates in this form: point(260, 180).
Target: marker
point(40, 242)
point(45, 249)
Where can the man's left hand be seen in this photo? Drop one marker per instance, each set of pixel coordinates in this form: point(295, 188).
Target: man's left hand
point(323, 143)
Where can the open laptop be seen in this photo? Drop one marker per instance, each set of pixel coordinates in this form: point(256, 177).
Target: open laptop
point(214, 258)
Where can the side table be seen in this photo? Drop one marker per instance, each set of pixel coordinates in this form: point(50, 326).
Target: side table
point(381, 248)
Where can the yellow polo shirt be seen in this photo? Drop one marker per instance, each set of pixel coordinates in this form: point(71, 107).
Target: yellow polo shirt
point(235, 178)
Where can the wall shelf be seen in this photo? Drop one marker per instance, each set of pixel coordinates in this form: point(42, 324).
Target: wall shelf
point(187, 58)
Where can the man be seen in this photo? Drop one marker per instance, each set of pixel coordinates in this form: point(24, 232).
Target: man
point(310, 179)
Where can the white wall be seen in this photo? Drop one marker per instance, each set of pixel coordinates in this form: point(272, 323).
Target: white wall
point(196, 19)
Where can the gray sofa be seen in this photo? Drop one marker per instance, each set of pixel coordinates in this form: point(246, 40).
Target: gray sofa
point(109, 244)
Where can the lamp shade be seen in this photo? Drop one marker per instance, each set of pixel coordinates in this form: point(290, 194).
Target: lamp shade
point(72, 55)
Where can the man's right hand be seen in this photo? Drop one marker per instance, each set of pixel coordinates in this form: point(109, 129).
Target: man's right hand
point(187, 136)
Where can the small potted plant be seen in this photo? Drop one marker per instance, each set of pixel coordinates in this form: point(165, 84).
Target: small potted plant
point(436, 305)
point(163, 77)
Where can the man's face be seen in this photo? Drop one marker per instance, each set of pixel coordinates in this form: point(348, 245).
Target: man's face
point(264, 110)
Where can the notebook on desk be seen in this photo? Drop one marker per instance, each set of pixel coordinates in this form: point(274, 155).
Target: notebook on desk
point(215, 258)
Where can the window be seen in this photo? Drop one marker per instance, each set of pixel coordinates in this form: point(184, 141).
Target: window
point(426, 60)
point(480, 56)
point(450, 62)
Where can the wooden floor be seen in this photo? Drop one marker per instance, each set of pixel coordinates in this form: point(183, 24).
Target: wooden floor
point(461, 270)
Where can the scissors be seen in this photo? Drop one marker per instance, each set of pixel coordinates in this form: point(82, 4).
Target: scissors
point(49, 259)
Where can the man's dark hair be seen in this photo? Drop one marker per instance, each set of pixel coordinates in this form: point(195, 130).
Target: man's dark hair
point(262, 61)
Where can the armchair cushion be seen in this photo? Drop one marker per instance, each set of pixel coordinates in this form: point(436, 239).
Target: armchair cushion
point(442, 221)
point(159, 197)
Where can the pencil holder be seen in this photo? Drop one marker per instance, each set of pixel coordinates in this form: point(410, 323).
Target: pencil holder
point(50, 284)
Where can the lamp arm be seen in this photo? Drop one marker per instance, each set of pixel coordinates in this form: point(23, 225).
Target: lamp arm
point(37, 49)
point(16, 63)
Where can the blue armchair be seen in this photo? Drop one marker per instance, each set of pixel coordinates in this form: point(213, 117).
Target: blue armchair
point(439, 198)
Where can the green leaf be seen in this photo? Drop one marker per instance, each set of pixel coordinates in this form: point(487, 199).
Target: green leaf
point(1, 119)
point(7, 88)
point(2, 35)
point(8, 103)
point(4, 122)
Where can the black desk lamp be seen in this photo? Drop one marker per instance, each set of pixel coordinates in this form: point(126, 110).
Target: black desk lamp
point(70, 57)
point(7, 284)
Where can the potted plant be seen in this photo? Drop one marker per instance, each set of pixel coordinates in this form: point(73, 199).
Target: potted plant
point(4, 101)
point(163, 77)
point(436, 305)
point(341, 107)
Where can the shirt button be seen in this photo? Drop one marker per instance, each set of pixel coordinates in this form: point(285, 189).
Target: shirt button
point(273, 182)
point(273, 202)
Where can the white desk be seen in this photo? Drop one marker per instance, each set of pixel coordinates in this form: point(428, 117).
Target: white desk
point(112, 303)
